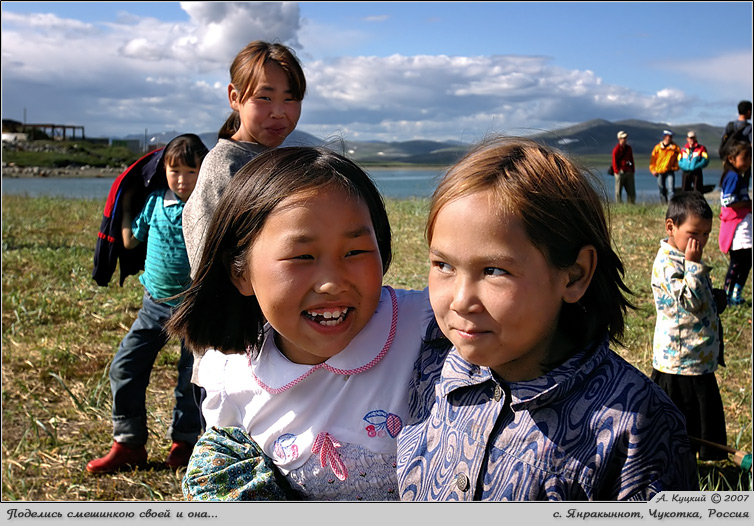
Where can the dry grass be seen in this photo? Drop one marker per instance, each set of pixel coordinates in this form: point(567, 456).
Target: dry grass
point(60, 331)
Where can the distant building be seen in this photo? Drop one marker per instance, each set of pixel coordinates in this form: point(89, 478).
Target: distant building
point(13, 138)
point(133, 145)
point(13, 131)
point(55, 132)
point(11, 126)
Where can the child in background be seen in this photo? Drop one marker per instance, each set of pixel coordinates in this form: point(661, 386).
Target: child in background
point(735, 220)
point(267, 85)
point(530, 402)
point(166, 274)
point(309, 354)
point(687, 332)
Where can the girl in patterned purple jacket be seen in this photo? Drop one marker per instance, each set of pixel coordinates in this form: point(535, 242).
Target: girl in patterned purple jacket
point(527, 401)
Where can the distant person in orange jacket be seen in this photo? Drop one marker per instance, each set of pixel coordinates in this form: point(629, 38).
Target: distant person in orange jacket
point(693, 158)
point(663, 164)
point(624, 169)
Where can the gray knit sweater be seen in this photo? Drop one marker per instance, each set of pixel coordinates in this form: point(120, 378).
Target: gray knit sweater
point(218, 167)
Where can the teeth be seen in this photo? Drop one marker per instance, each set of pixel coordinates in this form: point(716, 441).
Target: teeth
point(328, 318)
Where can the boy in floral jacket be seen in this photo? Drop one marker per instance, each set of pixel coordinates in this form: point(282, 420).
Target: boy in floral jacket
point(687, 337)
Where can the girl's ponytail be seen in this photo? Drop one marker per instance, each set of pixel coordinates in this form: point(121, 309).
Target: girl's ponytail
point(230, 127)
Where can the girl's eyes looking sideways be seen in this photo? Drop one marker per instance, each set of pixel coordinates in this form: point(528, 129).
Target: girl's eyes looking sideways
point(486, 271)
point(441, 266)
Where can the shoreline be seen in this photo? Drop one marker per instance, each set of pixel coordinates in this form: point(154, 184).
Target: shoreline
point(43, 172)
point(18, 172)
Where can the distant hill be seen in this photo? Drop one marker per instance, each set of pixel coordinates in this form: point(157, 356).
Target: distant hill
point(594, 137)
point(599, 136)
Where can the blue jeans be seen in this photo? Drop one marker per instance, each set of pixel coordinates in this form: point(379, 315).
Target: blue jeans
point(666, 182)
point(129, 378)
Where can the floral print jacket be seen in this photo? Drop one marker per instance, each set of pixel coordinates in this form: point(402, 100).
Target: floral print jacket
point(687, 330)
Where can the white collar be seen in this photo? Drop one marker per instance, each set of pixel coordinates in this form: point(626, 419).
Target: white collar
point(274, 373)
point(170, 199)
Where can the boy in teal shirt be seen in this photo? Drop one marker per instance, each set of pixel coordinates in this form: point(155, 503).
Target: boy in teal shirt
point(166, 274)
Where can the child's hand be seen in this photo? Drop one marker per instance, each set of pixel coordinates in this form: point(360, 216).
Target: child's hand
point(129, 241)
point(693, 250)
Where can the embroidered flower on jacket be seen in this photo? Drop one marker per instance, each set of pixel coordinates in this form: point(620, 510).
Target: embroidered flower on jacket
point(284, 447)
point(381, 422)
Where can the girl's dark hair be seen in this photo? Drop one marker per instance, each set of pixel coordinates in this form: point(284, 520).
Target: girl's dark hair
point(687, 204)
point(187, 149)
point(734, 150)
point(558, 204)
point(248, 66)
point(213, 313)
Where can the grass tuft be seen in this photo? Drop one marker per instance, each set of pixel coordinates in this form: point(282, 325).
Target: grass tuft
point(61, 330)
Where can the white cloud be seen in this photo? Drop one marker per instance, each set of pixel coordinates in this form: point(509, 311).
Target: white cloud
point(51, 24)
point(451, 96)
point(220, 29)
point(730, 73)
point(121, 77)
point(377, 18)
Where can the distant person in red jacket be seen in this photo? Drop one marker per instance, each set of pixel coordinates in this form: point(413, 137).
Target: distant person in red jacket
point(624, 168)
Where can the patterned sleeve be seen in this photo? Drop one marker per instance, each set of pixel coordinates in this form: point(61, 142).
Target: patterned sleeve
point(427, 370)
point(227, 465)
point(682, 283)
point(661, 458)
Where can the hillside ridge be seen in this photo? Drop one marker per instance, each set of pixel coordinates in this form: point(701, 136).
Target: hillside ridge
point(592, 137)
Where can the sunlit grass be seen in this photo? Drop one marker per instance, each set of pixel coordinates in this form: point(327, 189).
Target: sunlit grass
point(61, 330)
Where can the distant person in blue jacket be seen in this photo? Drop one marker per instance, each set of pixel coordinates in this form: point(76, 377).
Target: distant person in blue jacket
point(166, 274)
point(691, 160)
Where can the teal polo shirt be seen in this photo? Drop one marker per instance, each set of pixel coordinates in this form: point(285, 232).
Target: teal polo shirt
point(166, 269)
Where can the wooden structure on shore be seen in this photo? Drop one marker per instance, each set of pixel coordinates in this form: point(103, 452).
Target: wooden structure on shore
point(56, 131)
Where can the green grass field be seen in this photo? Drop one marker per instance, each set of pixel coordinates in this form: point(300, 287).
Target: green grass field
point(61, 330)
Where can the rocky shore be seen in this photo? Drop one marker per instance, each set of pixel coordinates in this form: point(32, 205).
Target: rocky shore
point(68, 171)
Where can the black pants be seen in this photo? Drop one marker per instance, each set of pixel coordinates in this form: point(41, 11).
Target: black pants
point(693, 180)
point(738, 269)
point(698, 398)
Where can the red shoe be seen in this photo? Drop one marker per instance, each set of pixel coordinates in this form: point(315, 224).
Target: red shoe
point(118, 458)
point(179, 455)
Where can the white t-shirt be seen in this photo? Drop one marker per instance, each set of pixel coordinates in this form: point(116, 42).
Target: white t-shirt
point(330, 428)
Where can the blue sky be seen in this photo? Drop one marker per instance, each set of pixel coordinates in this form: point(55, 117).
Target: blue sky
point(380, 70)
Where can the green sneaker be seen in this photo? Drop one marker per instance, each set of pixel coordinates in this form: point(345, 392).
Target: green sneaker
point(736, 298)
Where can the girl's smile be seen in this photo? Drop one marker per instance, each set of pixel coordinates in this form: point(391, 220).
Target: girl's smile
point(328, 317)
point(316, 271)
